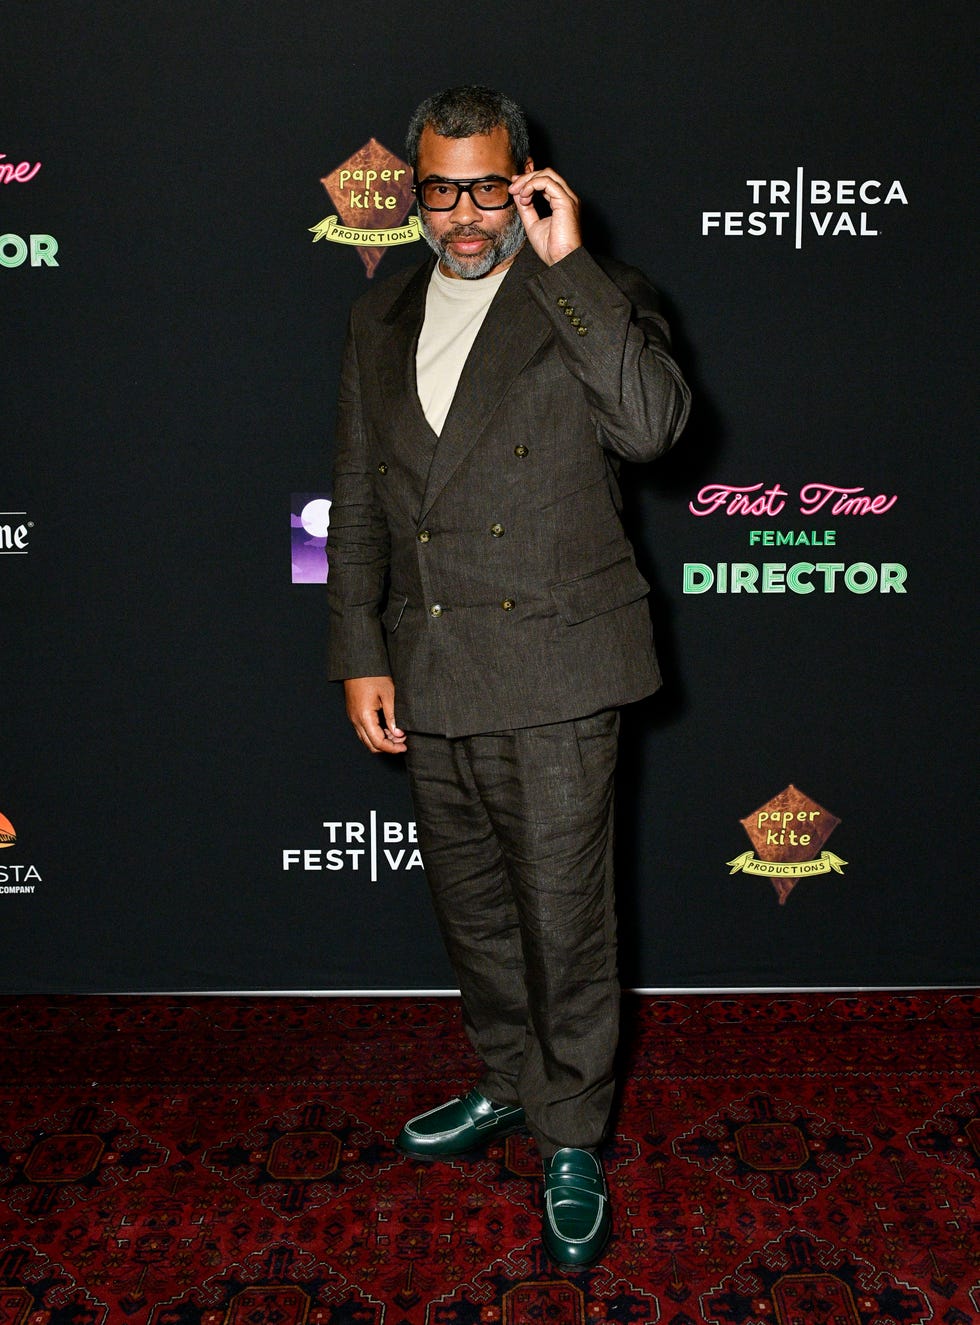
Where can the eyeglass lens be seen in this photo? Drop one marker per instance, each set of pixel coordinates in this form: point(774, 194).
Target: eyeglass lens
point(442, 195)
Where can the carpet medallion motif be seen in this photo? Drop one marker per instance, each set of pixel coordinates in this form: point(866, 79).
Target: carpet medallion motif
point(784, 1160)
point(801, 1280)
point(69, 1157)
point(278, 1286)
point(953, 1134)
point(525, 1289)
point(34, 1291)
point(301, 1160)
point(772, 1147)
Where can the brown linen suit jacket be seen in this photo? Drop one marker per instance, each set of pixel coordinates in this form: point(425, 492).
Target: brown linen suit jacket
point(486, 569)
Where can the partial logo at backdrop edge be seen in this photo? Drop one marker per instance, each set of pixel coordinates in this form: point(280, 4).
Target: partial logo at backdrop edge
point(15, 879)
point(309, 521)
point(8, 834)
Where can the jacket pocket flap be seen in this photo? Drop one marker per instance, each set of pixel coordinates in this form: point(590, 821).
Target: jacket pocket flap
point(600, 591)
point(392, 614)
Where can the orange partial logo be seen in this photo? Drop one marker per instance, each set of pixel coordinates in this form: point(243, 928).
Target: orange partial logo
point(8, 835)
point(788, 834)
point(372, 192)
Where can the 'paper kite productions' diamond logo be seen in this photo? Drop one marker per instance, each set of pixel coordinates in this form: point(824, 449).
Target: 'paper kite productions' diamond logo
point(788, 834)
point(372, 191)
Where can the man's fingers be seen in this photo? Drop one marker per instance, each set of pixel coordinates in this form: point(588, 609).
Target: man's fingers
point(547, 182)
point(381, 740)
point(366, 697)
point(557, 233)
point(370, 731)
point(388, 709)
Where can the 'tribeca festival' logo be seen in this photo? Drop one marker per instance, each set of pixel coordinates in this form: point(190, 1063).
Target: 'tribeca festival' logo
point(802, 208)
point(787, 833)
point(372, 191)
point(364, 846)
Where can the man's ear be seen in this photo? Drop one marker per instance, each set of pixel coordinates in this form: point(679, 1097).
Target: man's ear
point(528, 167)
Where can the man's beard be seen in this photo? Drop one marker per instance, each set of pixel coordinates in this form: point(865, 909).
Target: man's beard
point(503, 245)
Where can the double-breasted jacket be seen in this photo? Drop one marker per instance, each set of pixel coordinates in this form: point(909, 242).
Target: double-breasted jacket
point(486, 569)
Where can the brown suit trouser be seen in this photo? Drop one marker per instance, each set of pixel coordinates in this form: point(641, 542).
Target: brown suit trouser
point(516, 831)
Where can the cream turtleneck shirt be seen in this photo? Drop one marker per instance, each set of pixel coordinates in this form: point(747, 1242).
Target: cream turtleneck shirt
point(454, 312)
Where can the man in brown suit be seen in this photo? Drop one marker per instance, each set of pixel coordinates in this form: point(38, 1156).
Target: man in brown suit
point(488, 619)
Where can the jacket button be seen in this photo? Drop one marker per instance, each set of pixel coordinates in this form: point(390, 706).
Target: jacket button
point(569, 310)
point(508, 604)
point(382, 468)
point(562, 302)
point(497, 530)
point(583, 331)
point(435, 610)
point(424, 535)
point(521, 452)
point(576, 321)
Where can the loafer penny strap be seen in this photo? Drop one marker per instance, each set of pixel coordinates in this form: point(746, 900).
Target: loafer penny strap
point(567, 1183)
point(481, 1111)
point(568, 1174)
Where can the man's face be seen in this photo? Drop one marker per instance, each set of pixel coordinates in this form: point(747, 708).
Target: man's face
point(470, 243)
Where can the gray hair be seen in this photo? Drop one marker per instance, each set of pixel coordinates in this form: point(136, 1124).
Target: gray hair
point(462, 112)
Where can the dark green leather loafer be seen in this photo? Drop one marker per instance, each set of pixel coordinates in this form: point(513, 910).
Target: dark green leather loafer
point(461, 1124)
point(577, 1222)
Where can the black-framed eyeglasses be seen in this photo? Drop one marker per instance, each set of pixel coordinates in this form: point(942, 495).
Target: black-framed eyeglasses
point(490, 193)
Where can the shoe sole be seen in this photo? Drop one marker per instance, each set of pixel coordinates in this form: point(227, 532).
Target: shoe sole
point(565, 1268)
point(436, 1155)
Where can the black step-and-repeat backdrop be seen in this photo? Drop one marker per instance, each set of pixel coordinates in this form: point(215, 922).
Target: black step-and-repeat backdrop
point(190, 198)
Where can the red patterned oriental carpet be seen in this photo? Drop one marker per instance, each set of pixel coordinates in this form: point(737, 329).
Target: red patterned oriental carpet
point(791, 1160)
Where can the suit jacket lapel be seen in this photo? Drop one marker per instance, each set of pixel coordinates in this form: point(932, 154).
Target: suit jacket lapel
point(410, 434)
point(511, 333)
point(396, 369)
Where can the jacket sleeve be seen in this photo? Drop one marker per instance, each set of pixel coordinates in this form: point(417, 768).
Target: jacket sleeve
point(613, 339)
point(357, 542)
